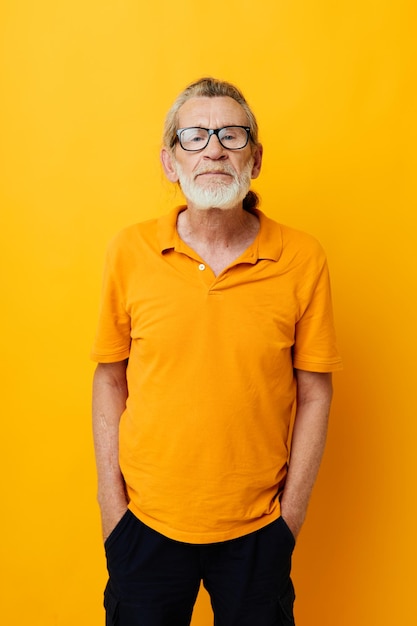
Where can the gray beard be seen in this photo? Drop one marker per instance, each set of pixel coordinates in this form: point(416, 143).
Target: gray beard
point(219, 194)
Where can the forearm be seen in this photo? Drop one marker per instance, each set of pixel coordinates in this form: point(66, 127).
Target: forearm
point(109, 401)
point(309, 437)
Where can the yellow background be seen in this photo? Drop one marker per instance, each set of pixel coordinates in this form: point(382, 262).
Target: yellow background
point(85, 86)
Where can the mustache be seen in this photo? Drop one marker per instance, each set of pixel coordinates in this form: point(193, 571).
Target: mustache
point(222, 169)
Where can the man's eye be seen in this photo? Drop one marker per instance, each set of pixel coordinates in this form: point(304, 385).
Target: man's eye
point(229, 135)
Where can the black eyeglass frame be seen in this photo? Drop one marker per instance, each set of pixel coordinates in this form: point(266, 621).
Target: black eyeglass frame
point(213, 131)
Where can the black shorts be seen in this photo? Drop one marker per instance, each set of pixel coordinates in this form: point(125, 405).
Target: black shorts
point(154, 581)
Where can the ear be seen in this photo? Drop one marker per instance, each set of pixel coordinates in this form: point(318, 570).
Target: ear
point(257, 160)
point(168, 165)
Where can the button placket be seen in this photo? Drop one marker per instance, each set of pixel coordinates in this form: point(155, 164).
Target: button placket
point(206, 275)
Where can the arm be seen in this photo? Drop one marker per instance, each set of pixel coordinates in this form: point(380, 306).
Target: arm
point(109, 401)
point(314, 394)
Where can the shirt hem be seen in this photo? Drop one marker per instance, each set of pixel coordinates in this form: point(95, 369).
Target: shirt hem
point(209, 536)
point(109, 358)
point(314, 366)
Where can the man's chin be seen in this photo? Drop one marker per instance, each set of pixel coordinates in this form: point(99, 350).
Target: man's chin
point(213, 195)
point(214, 201)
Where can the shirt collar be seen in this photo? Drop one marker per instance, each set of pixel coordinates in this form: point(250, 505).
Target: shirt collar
point(267, 245)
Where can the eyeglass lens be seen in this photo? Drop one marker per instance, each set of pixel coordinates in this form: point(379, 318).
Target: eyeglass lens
point(231, 137)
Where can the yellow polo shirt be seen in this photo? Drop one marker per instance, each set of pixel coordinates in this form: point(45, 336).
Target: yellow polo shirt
point(203, 439)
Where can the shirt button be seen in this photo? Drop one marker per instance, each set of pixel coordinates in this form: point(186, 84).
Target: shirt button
point(201, 267)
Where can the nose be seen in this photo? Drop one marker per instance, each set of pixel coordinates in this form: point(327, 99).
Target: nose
point(214, 149)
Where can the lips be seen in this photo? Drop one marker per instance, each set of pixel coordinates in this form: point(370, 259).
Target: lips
point(212, 172)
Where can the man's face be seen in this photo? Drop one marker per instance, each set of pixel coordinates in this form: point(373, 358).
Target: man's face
point(214, 176)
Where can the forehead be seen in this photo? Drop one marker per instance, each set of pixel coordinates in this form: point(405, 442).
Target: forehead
point(211, 112)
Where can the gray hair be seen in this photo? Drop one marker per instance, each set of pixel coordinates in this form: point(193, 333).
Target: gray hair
point(206, 88)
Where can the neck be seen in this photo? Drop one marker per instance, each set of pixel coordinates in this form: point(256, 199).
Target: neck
point(216, 226)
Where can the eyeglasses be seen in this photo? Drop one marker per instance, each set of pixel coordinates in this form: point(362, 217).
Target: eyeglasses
point(230, 137)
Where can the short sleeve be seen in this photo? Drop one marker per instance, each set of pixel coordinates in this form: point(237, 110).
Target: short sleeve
point(113, 336)
point(315, 346)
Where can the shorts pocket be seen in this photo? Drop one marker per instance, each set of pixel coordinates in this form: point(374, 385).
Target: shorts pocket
point(288, 531)
point(111, 605)
point(286, 605)
point(117, 530)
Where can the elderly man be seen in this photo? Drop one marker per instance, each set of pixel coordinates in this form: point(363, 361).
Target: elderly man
point(215, 335)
